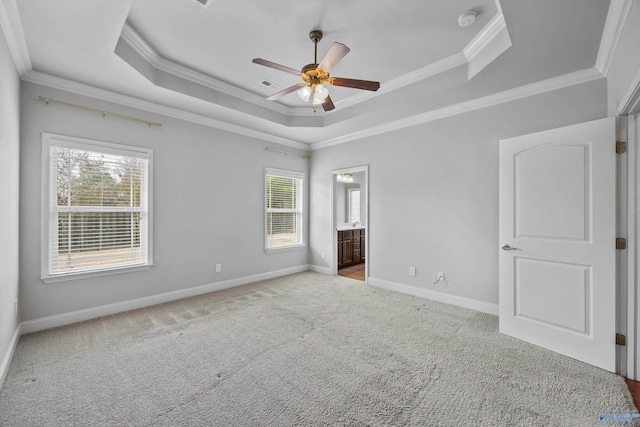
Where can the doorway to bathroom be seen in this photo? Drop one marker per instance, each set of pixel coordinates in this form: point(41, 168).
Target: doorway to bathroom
point(350, 222)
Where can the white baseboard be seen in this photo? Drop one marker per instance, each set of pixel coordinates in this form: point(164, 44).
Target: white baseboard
point(6, 360)
point(322, 270)
point(49, 322)
point(484, 307)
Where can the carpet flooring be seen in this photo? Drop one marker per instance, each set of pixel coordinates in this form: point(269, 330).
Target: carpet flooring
point(305, 349)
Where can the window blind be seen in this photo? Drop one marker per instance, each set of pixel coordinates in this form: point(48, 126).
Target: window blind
point(283, 209)
point(98, 208)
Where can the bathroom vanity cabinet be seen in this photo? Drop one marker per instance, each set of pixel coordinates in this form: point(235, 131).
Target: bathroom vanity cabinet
point(351, 247)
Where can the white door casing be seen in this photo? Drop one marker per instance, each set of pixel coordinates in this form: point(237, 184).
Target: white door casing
point(558, 215)
point(364, 219)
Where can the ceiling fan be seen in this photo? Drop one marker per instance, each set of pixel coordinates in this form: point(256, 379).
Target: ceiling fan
point(315, 75)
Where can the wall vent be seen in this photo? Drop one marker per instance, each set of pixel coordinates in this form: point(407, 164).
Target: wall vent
point(271, 85)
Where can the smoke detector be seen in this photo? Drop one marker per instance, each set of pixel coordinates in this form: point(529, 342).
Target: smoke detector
point(467, 18)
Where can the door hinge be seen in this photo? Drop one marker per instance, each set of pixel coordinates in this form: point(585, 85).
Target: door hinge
point(621, 147)
point(621, 340)
point(621, 243)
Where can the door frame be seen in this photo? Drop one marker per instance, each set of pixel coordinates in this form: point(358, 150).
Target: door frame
point(626, 220)
point(628, 114)
point(334, 215)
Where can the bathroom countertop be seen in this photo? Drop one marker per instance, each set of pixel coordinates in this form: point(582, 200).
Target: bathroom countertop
point(350, 227)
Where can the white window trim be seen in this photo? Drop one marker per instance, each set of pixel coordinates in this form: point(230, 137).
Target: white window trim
point(49, 139)
point(285, 174)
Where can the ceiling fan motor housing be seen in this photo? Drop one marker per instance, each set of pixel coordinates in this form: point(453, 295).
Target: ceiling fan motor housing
point(314, 76)
point(315, 36)
point(309, 67)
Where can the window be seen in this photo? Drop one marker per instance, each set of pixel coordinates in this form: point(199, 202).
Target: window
point(283, 219)
point(98, 212)
point(354, 205)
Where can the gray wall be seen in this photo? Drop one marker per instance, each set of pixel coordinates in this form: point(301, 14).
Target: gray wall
point(207, 204)
point(433, 190)
point(9, 194)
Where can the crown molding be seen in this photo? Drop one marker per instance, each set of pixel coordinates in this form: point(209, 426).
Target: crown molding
point(155, 108)
point(11, 24)
point(429, 71)
point(130, 36)
point(12, 27)
point(487, 45)
point(490, 43)
point(616, 20)
point(630, 103)
point(544, 86)
point(412, 77)
point(140, 45)
point(482, 39)
point(556, 83)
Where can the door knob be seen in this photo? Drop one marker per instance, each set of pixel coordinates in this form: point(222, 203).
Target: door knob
point(506, 247)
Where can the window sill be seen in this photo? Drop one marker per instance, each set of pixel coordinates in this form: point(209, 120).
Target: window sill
point(285, 248)
point(94, 273)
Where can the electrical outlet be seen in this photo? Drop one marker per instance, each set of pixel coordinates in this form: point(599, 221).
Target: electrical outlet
point(218, 268)
point(15, 303)
point(412, 271)
point(440, 275)
point(323, 255)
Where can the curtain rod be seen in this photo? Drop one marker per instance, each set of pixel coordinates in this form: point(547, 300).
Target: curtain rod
point(287, 153)
point(104, 113)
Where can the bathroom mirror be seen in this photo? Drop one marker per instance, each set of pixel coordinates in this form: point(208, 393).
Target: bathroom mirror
point(349, 199)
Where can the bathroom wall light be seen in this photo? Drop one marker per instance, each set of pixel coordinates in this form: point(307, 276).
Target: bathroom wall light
point(345, 177)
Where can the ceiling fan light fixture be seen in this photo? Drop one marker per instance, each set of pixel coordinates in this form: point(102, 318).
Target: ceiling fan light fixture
point(320, 93)
point(316, 93)
point(304, 93)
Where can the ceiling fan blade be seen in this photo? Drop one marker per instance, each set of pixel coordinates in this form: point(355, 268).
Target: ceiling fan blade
point(270, 64)
point(356, 84)
point(284, 92)
point(328, 104)
point(336, 52)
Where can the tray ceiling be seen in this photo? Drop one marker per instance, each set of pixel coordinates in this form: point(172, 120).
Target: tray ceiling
point(197, 60)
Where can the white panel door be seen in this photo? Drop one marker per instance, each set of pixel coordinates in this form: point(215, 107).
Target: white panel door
point(557, 237)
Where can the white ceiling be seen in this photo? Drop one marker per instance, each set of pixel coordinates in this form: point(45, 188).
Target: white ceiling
point(176, 55)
